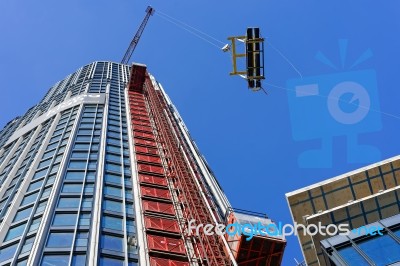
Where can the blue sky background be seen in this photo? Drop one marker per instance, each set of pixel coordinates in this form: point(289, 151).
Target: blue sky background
point(246, 137)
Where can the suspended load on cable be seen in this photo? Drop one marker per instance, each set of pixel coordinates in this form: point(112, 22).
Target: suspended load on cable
point(254, 54)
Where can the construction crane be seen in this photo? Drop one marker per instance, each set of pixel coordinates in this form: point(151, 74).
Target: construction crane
point(149, 12)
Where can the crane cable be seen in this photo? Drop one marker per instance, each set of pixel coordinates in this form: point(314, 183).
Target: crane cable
point(213, 41)
point(188, 28)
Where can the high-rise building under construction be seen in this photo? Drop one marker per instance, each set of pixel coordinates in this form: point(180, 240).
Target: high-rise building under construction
point(104, 172)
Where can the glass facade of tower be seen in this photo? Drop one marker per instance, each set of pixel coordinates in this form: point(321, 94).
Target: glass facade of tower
point(103, 171)
point(65, 174)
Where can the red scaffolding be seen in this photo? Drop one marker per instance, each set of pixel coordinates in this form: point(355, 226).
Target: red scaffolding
point(154, 126)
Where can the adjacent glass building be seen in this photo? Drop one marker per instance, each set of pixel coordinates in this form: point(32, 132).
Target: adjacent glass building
point(103, 172)
point(365, 198)
point(381, 248)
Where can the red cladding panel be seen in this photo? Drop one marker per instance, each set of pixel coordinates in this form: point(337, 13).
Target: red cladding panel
point(165, 262)
point(141, 123)
point(155, 192)
point(146, 158)
point(159, 207)
point(162, 224)
point(150, 168)
point(146, 150)
point(153, 179)
point(165, 244)
point(140, 118)
point(143, 135)
point(145, 142)
point(142, 128)
point(138, 113)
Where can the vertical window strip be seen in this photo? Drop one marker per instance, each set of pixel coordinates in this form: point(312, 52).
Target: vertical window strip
point(16, 156)
point(45, 189)
point(81, 229)
point(29, 157)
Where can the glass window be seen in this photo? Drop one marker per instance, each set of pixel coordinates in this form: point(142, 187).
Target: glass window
point(53, 145)
point(113, 178)
point(89, 188)
point(112, 243)
point(129, 208)
point(58, 158)
point(61, 150)
point(28, 244)
point(113, 191)
point(79, 154)
point(127, 171)
point(55, 138)
point(113, 167)
point(78, 260)
point(87, 203)
point(383, 250)
point(113, 141)
point(22, 214)
point(84, 132)
point(84, 219)
point(111, 262)
point(397, 232)
point(92, 165)
point(45, 163)
point(35, 224)
point(15, 232)
point(91, 175)
point(112, 223)
point(81, 239)
point(46, 192)
point(35, 185)
point(8, 252)
point(112, 157)
point(41, 173)
point(29, 199)
point(72, 188)
point(349, 254)
point(113, 135)
point(131, 226)
point(87, 120)
point(82, 138)
point(128, 193)
point(41, 207)
point(49, 154)
point(60, 240)
point(65, 219)
point(86, 125)
point(82, 146)
point(113, 149)
point(50, 179)
point(75, 175)
point(77, 165)
point(22, 262)
point(112, 205)
point(59, 260)
point(68, 203)
point(55, 168)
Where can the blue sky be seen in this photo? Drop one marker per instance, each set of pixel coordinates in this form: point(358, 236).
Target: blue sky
point(252, 141)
